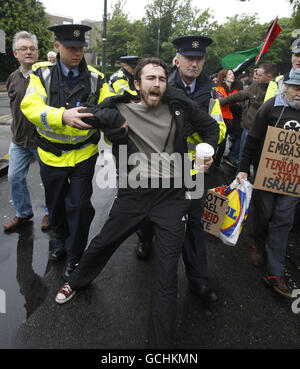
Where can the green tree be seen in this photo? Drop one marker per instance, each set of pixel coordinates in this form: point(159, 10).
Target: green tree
point(122, 36)
point(18, 15)
point(240, 32)
point(160, 18)
point(167, 19)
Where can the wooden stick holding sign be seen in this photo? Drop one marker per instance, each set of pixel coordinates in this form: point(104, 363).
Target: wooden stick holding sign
point(279, 165)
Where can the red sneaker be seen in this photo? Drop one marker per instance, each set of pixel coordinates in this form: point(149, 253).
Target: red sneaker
point(65, 294)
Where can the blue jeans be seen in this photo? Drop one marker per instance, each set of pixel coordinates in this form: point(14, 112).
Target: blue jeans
point(19, 161)
point(272, 221)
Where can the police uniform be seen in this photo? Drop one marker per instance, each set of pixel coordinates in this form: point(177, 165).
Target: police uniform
point(67, 155)
point(123, 80)
point(194, 249)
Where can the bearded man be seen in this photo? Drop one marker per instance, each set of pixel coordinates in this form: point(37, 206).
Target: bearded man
point(273, 213)
point(157, 124)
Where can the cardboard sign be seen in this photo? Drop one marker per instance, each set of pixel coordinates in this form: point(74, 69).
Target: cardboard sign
point(214, 212)
point(279, 166)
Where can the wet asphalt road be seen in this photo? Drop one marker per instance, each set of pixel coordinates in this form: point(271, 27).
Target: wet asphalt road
point(113, 311)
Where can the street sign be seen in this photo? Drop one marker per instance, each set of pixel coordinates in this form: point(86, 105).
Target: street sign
point(2, 42)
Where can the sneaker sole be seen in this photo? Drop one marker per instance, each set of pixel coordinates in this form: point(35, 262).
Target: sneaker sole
point(60, 302)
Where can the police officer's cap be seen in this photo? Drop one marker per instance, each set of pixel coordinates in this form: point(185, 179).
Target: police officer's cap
point(70, 34)
point(192, 45)
point(131, 60)
point(296, 46)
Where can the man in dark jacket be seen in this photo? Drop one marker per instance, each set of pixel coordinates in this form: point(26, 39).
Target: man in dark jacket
point(157, 125)
point(23, 145)
point(273, 212)
point(188, 75)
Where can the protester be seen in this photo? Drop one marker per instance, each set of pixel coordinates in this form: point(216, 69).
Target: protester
point(254, 75)
point(273, 213)
point(255, 95)
point(188, 76)
point(23, 146)
point(67, 147)
point(51, 56)
point(245, 78)
point(158, 124)
point(123, 80)
point(227, 85)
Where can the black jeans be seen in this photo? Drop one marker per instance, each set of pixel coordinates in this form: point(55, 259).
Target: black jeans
point(165, 208)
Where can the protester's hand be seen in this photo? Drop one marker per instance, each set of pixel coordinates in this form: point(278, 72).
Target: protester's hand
point(241, 176)
point(73, 118)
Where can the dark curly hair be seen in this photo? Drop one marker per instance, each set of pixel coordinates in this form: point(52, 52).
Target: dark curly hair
point(146, 61)
point(220, 82)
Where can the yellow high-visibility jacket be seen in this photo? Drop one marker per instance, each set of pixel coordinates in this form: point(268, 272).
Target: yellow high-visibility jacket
point(216, 113)
point(36, 106)
point(120, 82)
point(273, 87)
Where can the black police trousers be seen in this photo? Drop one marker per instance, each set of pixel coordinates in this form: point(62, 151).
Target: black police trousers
point(68, 192)
point(194, 251)
point(166, 209)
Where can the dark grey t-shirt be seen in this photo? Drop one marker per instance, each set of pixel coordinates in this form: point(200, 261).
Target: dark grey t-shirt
point(153, 133)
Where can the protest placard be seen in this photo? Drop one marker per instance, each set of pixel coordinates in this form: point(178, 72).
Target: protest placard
point(214, 212)
point(279, 166)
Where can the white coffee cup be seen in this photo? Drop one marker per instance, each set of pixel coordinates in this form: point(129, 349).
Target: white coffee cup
point(204, 152)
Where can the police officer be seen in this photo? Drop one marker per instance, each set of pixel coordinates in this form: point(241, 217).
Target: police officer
point(188, 75)
point(67, 146)
point(123, 80)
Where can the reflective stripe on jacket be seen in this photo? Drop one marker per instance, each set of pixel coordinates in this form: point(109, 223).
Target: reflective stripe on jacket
point(37, 106)
point(120, 82)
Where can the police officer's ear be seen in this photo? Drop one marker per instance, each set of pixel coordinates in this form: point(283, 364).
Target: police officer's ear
point(176, 61)
point(56, 45)
point(137, 85)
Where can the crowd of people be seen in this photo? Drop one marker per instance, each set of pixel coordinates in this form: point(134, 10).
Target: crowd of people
point(59, 108)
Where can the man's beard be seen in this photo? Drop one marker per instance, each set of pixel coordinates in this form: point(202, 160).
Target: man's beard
point(291, 101)
point(151, 104)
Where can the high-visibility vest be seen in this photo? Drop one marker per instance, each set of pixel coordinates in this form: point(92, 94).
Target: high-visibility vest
point(194, 139)
point(225, 108)
point(48, 120)
point(119, 83)
point(273, 87)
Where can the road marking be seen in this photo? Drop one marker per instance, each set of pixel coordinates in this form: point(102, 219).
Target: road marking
point(6, 117)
